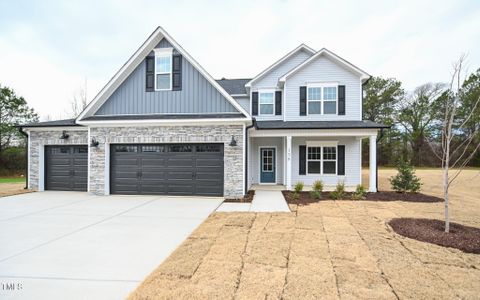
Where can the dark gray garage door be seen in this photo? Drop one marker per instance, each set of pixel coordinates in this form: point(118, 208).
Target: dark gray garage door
point(66, 168)
point(173, 169)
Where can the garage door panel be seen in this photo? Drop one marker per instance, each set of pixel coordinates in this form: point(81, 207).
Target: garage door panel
point(167, 169)
point(66, 167)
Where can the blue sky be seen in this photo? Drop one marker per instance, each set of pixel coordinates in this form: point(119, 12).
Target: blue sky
point(48, 48)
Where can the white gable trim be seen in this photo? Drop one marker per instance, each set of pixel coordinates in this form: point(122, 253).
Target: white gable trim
point(133, 63)
point(363, 75)
point(278, 62)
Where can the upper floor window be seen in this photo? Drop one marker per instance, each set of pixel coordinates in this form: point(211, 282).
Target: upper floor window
point(322, 100)
point(266, 103)
point(163, 69)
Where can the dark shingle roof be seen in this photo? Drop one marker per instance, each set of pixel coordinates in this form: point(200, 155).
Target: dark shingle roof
point(318, 125)
point(66, 122)
point(233, 86)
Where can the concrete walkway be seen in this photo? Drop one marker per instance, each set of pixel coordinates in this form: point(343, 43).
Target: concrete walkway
point(263, 201)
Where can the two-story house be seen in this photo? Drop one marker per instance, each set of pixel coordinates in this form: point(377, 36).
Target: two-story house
point(163, 125)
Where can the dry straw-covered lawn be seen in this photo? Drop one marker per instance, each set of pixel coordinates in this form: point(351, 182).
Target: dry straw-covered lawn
point(327, 250)
point(15, 188)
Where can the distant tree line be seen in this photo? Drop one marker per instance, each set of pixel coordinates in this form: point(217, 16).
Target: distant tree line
point(416, 118)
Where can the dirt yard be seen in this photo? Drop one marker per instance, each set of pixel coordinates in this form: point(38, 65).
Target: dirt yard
point(9, 189)
point(328, 250)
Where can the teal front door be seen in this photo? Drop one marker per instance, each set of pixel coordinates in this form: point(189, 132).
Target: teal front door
point(267, 165)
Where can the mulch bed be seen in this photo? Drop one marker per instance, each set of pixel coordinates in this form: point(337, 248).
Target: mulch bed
point(246, 199)
point(305, 198)
point(464, 238)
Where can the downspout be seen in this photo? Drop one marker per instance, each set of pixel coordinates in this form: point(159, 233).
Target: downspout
point(26, 156)
point(376, 165)
point(246, 153)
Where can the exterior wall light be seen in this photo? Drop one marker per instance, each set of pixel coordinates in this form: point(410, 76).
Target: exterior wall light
point(233, 142)
point(94, 143)
point(64, 135)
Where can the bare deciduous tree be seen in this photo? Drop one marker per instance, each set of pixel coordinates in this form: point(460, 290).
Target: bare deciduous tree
point(79, 101)
point(458, 145)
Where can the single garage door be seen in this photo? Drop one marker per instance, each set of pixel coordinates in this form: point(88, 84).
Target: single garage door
point(66, 168)
point(167, 169)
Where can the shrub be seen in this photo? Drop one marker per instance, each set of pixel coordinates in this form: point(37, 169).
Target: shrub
point(360, 193)
point(298, 187)
point(317, 186)
point(315, 194)
point(339, 192)
point(406, 180)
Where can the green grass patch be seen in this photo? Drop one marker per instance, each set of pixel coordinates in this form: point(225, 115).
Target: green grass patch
point(12, 179)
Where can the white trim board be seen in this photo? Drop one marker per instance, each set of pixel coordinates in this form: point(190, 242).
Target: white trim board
point(278, 62)
point(138, 58)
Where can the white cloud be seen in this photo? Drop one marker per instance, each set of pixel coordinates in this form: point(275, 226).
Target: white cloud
point(47, 51)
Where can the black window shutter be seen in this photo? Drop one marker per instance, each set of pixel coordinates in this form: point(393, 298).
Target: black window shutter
point(302, 153)
point(341, 160)
point(278, 103)
point(177, 72)
point(254, 103)
point(341, 100)
point(150, 74)
point(303, 100)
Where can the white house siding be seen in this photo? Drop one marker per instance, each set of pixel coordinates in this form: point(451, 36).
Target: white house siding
point(254, 157)
point(353, 163)
point(244, 102)
point(270, 80)
point(323, 69)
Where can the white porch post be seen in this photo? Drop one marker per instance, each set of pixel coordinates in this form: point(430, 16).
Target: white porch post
point(289, 163)
point(373, 164)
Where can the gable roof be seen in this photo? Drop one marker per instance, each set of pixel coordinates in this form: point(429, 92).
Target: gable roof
point(136, 59)
point(324, 51)
point(234, 86)
point(278, 62)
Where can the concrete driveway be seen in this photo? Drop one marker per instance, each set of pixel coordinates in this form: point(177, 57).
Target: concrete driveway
point(71, 245)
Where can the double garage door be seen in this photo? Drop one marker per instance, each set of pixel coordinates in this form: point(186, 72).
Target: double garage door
point(167, 169)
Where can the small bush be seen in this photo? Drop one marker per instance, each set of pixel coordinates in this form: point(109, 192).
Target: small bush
point(339, 192)
point(360, 193)
point(406, 180)
point(298, 187)
point(315, 194)
point(295, 196)
point(317, 186)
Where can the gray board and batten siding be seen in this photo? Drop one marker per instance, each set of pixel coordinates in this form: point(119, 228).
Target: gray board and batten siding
point(197, 95)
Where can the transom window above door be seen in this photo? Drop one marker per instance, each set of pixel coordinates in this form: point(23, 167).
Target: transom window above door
point(322, 99)
point(163, 69)
point(266, 103)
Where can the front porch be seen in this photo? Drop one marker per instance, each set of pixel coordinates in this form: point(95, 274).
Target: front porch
point(280, 158)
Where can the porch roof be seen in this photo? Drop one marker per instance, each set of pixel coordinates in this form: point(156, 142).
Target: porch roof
point(279, 124)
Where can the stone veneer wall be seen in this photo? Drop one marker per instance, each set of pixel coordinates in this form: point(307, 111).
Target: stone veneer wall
point(233, 156)
point(39, 139)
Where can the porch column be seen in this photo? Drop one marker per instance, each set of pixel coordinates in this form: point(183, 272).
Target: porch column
point(289, 163)
point(373, 164)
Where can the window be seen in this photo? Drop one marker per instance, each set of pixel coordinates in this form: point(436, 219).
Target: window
point(209, 148)
point(122, 148)
point(163, 69)
point(266, 102)
point(321, 160)
point(322, 100)
point(180, 148)
point(153, 149)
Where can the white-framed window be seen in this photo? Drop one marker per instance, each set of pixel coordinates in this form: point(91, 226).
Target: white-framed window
point(163, 69)
point(266, 103)
point(322, 99)
point(322, 159)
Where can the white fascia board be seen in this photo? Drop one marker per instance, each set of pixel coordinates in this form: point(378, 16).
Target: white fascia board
point(314, 132)
point(363, 75)
point(136, 59)
point(149, 122)
point(278, 62)
point(56, 128)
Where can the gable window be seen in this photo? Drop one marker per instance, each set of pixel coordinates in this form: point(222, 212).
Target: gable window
point(163, 69)
point(322, 99)
point(266, 103)
point(322, 160)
